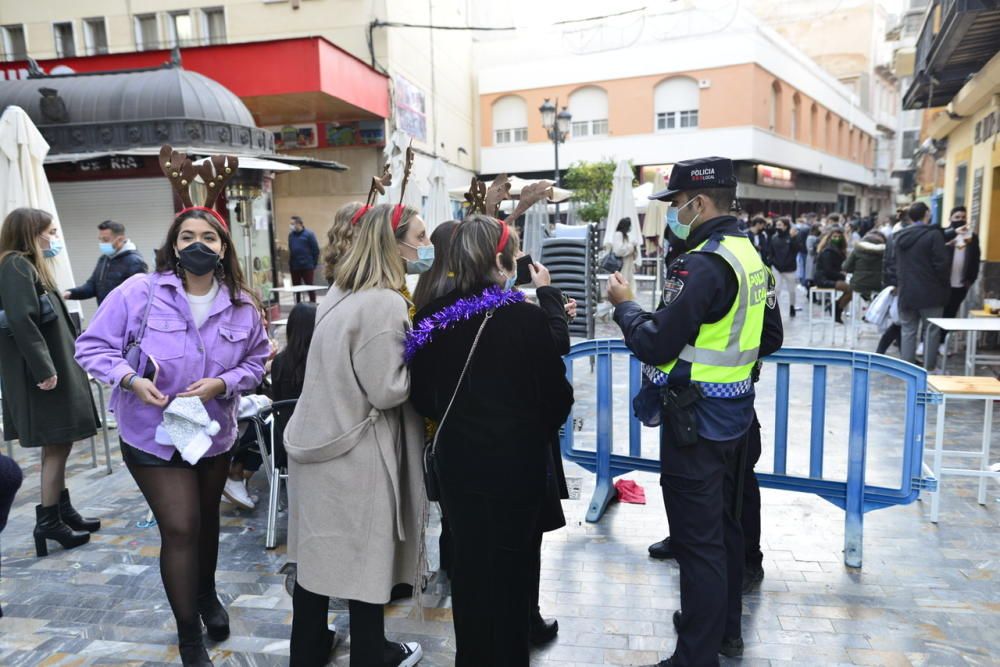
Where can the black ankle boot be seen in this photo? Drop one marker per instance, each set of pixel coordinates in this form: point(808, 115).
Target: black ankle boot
point(542, 631)
point(49, 526)
point(838, 316)
point(791, 311)
point(192, 646)
point(72, 518)
point(214, 615)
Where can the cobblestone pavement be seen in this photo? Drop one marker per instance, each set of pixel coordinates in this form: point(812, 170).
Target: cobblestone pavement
point(927, 595)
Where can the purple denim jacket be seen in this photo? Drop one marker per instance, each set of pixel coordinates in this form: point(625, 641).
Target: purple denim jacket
point(232, 345)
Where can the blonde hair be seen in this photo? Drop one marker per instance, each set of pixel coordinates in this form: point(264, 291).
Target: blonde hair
point(19, 236)
point(473, 251)
point(339, 238)
point(373, 262)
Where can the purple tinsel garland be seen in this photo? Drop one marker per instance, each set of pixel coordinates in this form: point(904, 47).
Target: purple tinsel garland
point(460, 311)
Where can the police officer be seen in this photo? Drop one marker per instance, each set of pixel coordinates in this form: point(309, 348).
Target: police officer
point(700, 348)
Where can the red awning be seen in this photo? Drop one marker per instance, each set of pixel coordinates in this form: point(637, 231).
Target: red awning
point(282, 81)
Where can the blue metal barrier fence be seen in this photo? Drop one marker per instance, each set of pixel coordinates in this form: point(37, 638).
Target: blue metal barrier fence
point(852, 495)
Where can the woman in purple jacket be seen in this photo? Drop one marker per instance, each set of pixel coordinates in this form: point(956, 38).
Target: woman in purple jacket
point(204, 337)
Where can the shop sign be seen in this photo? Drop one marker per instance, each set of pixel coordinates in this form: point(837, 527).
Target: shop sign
point(847, 189)
point(977, 199)
point(411, 110)
point(987, 127)
point(355, 133)
point(775, 177)
point(294, 136)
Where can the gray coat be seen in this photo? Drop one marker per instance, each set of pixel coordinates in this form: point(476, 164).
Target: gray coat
point(357, 504)
point(36, 352)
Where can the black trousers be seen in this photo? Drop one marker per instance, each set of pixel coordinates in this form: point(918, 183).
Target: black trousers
point(495, 546)
point(699, 487)
point(955, 299)
point(891, 335)
point(750, 512)
point(310, 645)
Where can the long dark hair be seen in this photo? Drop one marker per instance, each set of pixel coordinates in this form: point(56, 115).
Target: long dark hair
point(301, 324)
point(624, 225)
point(228, 272)
point(19, 236)
point(437, 282)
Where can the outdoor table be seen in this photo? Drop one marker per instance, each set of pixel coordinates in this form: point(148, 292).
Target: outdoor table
point(983, 313)
point(972, 326)
point(298, 289)
point(986, 389)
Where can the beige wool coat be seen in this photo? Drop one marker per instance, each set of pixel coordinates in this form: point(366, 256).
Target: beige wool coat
point(357, 505)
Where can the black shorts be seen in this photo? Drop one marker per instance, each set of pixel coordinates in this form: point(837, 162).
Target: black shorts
point(132, 456)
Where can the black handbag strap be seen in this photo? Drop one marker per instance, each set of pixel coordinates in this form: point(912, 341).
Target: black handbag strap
point(461, 378)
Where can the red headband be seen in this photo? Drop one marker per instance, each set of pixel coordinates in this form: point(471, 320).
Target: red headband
point(218, 217)
point(360, 212)
point(504, 235)
point(397, 215)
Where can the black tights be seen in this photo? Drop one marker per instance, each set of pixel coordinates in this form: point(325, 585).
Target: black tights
point(185, 503)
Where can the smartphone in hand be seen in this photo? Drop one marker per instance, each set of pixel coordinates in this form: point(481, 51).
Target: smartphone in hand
point(523, 270)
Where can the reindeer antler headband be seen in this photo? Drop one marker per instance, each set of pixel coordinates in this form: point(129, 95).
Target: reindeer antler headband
point(181, 172)
point(487, 201)
point(397, 213)
point(379, 184)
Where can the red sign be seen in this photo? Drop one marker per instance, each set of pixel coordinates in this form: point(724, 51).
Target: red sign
point(309, 64)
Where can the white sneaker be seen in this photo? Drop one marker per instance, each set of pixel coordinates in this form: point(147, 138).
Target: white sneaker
point(941, 349)
point(235, 492)
point(920, 349)
point(412, 654)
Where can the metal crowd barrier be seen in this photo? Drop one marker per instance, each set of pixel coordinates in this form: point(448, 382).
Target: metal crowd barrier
point(853, 495)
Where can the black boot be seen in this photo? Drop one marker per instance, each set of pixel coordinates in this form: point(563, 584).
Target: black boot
point(214, 615)
point(542, 631)
point(791, 311)
point(192, 646)
point(72, 518)
point(49, 526)
point(662, 549)
point(838, 315)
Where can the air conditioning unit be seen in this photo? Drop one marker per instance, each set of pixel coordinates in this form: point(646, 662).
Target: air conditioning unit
point(704, 83)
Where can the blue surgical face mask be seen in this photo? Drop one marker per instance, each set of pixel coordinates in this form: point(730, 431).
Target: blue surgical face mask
point(509, 283)
point(55, 247)
point(107, 248)
point(424, 261)
point(681, 231)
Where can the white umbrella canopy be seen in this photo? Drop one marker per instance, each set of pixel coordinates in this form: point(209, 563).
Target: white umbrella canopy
point(516, 185)
point(641, 196)
point(438, 202)
point(656, 211)
point(23, 183)
point(622, 203)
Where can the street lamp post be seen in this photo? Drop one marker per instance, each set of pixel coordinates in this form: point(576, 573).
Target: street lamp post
point(557, 127)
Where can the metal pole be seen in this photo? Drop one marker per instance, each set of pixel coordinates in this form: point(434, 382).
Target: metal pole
point(555, 141)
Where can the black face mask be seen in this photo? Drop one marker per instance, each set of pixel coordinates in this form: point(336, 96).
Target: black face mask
point(198, 259)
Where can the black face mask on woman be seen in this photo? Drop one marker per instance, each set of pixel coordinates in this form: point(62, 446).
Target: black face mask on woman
point(198, 259)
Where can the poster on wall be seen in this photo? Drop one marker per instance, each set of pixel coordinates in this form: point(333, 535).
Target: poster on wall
point(411, 111)
point(294, 136)
point(355, 133)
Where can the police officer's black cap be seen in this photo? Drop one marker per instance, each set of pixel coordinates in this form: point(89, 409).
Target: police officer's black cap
point(700, 174)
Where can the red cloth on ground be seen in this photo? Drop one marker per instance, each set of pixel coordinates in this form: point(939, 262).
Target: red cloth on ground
point(630, 492)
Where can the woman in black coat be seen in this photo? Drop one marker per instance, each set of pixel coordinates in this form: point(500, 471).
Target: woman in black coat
point(494, 448)
point(46, 396)
point(830, 255)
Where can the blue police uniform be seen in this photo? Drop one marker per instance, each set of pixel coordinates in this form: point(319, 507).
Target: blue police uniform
point(699, 482)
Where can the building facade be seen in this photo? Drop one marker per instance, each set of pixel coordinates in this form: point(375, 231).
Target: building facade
point(330, 79)
point(801, 139)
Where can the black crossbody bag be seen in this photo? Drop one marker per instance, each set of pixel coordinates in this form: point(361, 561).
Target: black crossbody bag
point(46, 312)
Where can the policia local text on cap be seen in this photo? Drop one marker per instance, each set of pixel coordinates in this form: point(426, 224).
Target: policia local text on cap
point(698, 352)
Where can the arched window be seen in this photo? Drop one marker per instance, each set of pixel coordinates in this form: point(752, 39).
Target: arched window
point(813, 126)
point(774, 124)
point(841, 137)
point(589, 107)
point(796, 105)
point(829, 140)
point(675, 102)
point(510, 120)
point(852, 143)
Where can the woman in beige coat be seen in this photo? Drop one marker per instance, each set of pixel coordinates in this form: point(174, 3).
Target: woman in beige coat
point(627, 248)
point(356, 494)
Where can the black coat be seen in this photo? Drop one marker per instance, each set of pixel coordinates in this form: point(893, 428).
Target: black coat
point(970, 271)
point(497, 438)
point(109, 273)
point(783, 251)
point(922, 269)
point(829, 267)
point(36, 352)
